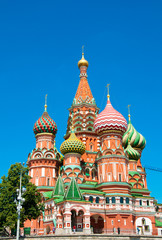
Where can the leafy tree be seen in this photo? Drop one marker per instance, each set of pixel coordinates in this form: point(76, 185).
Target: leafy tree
point(31, 208)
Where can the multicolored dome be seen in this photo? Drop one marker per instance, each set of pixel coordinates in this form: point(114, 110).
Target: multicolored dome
point(132, 153)
point(136, 139)
point(73, 145)
point(109, 120)
point(45, 124)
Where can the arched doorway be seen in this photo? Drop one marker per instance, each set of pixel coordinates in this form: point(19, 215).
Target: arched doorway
point(97, 223)
point(77, 220)
point(80, 221)
point(73, 219)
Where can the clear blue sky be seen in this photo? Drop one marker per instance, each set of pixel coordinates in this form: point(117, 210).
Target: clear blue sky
point(40, 45)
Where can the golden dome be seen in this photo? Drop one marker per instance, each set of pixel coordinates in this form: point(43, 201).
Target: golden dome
point(82, 62)
point(72, 145)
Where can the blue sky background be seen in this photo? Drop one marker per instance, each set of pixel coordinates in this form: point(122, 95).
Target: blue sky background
point(40, 45)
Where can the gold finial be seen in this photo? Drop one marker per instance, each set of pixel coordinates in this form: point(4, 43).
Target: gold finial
point(129, 112)
point(83, 62)
point(45, 106)
point(108, 95)
point(83, 50)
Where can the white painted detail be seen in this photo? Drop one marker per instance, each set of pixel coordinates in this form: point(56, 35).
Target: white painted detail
point(31, 172)
point(43, 172)
point(54, 172)
point(36, 181)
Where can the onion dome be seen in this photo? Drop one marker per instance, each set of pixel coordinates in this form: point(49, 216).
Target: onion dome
point(136, 139)
point(110, 120)
point(72, 145)
point(132, 153)
point(45, 124)
point(82, 62)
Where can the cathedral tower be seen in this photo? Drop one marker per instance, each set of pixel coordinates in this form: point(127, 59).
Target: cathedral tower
point(44, 160)
point(83, 113)
point(112, 163)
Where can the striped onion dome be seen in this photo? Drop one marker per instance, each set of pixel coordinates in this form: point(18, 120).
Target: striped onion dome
point(132, 153)
point(45, 124)
point(72, 145)
point(110, 120)
point(136, 139)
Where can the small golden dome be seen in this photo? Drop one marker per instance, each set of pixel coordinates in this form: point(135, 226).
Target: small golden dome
point(82, 62)
point(72, 145)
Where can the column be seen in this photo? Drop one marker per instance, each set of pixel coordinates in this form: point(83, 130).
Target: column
point(67, 222)
point(86, 223)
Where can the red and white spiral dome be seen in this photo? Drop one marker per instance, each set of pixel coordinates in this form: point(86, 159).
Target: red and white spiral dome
point(110, 120)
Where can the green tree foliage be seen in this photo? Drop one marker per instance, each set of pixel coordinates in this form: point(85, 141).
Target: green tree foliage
point(31, 208)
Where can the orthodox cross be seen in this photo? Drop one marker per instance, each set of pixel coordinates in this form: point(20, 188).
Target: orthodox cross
point(45, 106)
point(129, 112)
point(108, 96)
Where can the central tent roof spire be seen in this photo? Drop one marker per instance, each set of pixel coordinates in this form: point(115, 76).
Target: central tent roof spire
point(83, 94)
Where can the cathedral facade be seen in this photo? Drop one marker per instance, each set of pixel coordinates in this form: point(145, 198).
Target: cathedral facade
point(96, 183)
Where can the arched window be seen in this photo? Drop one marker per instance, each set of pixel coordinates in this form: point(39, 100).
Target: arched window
point(140, 202)
point(48, 180)
point(78, 129)
point(91, 147)
point(121, 199)
point(147, 202)
point(119, 177)
point(107, 200)
point(113, 199)
point(127, 200)
point(97, 199)
point(100, 178)
point(93, 174)
point(87, 172)
point(91, 199)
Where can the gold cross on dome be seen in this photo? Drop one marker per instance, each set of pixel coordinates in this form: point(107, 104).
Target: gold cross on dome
point(45, 106)
point(129, 111)
point(83, 50)
point(108, 95)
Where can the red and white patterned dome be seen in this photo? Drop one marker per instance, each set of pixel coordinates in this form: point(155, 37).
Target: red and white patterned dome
point(109, 120)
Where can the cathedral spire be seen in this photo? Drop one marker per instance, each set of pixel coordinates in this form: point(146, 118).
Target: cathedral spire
point(83, 94)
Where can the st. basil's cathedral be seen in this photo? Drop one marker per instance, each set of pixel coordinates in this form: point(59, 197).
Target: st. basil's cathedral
point(97, 183)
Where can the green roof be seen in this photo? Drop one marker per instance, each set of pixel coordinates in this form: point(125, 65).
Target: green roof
point(47, 194)
point(158, 223)
point(118, 194)
point(91, 191)
point(73, 191)
point(59, 199)
point(59, 189)
point(89, 182)
point(113, 183)
point(139, 190)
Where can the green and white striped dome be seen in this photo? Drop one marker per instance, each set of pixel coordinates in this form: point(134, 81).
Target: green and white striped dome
point(132, 153)
point(136, 139)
